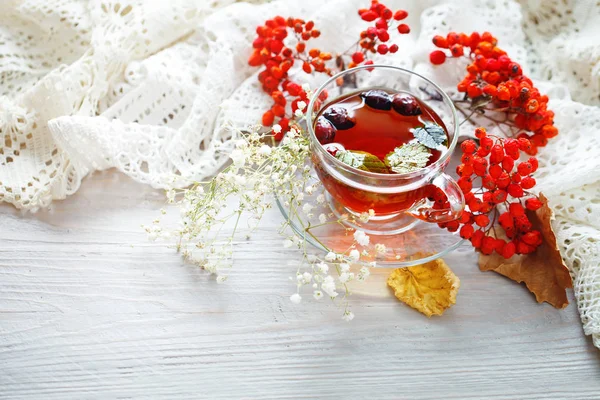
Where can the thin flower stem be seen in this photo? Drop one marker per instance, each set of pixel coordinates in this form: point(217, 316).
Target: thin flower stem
point(323, 224)
point(237, 221)
point(349, 51)
point(306, 230)
point(468, 117)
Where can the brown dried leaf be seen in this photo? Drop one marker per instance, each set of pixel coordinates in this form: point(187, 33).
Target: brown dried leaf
point(543, 271)
point(430, 288)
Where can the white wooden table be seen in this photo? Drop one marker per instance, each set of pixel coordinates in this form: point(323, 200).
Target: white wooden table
point(90, 309)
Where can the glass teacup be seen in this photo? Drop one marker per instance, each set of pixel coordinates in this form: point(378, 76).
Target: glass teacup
point(398, 200)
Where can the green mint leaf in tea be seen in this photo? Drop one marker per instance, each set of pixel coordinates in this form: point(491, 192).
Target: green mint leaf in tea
point(362, 160)
point(431, 135)
point(407, 158)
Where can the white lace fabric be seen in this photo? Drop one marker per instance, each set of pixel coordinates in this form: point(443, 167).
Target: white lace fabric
point(152, 88)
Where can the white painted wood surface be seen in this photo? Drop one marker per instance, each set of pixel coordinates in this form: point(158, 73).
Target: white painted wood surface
point(90, 309)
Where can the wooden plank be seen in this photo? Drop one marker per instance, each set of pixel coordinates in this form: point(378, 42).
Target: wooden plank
point(90, 309)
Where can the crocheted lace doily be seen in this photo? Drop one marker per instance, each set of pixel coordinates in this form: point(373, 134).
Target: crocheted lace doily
point(150, 88)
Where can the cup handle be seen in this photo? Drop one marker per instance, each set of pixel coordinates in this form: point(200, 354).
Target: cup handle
point(424, 209)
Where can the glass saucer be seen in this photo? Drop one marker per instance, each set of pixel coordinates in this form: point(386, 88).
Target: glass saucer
point(417, 243)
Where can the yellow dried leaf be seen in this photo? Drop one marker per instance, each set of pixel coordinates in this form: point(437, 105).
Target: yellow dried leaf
point(430, 288)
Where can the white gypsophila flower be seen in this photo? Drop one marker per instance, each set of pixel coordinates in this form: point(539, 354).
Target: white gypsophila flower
point(304, 279)
point(301, 105)
point(300, 196)
point(307, 208)
point(171, 196)
point(296, 298)
point(322, 218)
point(380, 248)
point(321, 199)
point(264, 150)
point(253, 182)
point(196, 257)
point(298, 113)
point(262, 188)
point(331, 256)
point(276, 128)
point(318, 295)
point(344, 267)
point(363, 274)
point(344, 277)
point(184, 210)
point(364, 217)
point(322, 267)
point(328, 286)
point(152, 236)
point(361, 238)
point(354, 255)
point(307, 276)
point(210, 267)
point(257, 171)
point(306, 88)
point(348, 316)
point(240, 180)
point(238, 157)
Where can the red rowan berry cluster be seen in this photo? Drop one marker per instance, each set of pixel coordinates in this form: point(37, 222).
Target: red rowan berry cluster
point(496, 83)
point(502, 197)
point(270, 51)
point(374, 39)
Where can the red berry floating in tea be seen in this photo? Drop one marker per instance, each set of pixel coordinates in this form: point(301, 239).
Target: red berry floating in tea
point(339, 117)
point(405, 104)
point(324, 130)
point(377, 99)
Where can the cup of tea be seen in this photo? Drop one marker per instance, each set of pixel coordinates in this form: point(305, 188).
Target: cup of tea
point(381, 140)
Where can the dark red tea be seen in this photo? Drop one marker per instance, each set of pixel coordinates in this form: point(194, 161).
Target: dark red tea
point(382, 132)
